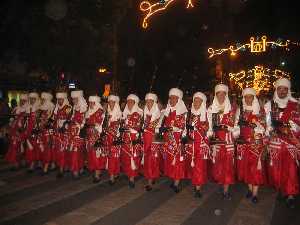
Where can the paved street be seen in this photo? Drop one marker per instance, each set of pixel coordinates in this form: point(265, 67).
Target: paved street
point(36, 200)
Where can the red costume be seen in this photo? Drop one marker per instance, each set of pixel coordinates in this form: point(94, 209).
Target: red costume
point(131, 152)
point(197, 152)
point(97, 157)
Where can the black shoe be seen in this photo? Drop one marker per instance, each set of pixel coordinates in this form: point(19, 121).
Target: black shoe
point(226, 196)
point(131, 184)
point(111, 183)
point(290, 203)
point(254, 200)
point(148, 188)
point(96, 180)
point(75, 176)
point(249, 194)
point(172, 185)
point(30, 171)
point(44, 173)
point(14, 168)
point(198, 194)
point(176, 189)
point(59, 175)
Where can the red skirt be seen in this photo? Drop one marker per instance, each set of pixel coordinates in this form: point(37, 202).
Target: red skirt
point(96, 159)
point(131, 160)
point(114, 160)
point(13, 153)
point(30, 153)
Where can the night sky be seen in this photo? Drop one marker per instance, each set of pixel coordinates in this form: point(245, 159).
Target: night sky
point(78, 38)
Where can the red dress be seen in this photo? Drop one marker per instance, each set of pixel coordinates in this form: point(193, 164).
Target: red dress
point(60, 144)
point(174, 158)
point(250, 165)
point(131, 153)
point(222, 155)
point(197, 152)
point(76, 143)
point(96, 156)
point(14, 152)
point(152, 152)
point(113, 151)
point(284, 155)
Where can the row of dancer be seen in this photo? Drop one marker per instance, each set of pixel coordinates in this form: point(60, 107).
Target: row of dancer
point(224, 142)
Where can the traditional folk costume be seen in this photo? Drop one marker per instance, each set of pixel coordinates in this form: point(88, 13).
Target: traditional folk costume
point(152, 151)
point(112, 135)
point(16, 147)
point(76, 143)
point(61, 115)
point(250, 148)
point(31, 128)
point(175, 123)
point(283, 121)
point(97, 156)
point(223, 119)
point(197, 153)
point(132, 148)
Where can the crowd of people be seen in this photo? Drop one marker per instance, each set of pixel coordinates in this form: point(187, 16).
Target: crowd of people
point(224, 142)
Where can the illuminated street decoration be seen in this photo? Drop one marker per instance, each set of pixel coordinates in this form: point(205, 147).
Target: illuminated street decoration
point(151, 9)
point(259, 78)
point(257, 45)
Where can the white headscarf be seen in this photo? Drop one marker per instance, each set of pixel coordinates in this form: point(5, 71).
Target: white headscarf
point(81, 105)
point(47, 104)
point(115, 113)
point(216, 106)
point(36, 105)
point(180, 106)
point(154, 112)
point(282, 102)
point(22, 108)
point(202, 110)
point(97, 105)
point(255, 107)
point(64, 96)
point(135, 107)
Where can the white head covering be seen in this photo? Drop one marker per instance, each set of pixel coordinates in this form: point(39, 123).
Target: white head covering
point(47, 104)
point(282, 102)
point(135, 108)
point(154, 112)
point(20, 109)
point(216, 106)
point(24, 97)
point(97, 105)
point(202, 110)
point(115, 113)
point(180, 106)
point(255, 107)
point(64, 96)
point(81, 105)
point(36, 105)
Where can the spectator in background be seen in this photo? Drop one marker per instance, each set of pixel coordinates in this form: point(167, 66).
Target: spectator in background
point(13, 104)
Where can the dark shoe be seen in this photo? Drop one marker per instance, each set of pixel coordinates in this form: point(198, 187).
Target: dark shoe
point(44, 173)
point(14, 168)
point(131, 184)
point(176, 189)
point(148, 188)
point(198, 194)
point(59, 175)
point(290, 203)
point(111, 183)
point(96, 180)
point(254, 200)
point(172, 185)
point(249, 194)
point(75, 177)
point(30, 171)
point(226, 196)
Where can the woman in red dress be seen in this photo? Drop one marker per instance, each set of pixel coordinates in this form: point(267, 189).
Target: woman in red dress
point(16, 149)
point(151, 150)
point(76, 143)
point(197, 152)
point(46, 135)
point(132, 148)
point(96, 155)
point(223, 128)
point(173, 126)
point(250, 167)
point(112, 134)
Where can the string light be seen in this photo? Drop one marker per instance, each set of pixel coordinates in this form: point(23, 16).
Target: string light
point(259, 78)
point(102, 70)
point(255, 46)
point(151, 9)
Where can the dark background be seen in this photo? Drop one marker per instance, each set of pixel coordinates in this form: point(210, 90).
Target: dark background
point(40, 39)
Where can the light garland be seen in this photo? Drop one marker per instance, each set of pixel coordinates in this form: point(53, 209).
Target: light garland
point(259, 78)
point(151, 9)
point(255, 46)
